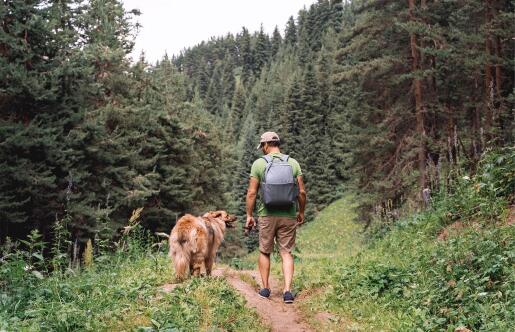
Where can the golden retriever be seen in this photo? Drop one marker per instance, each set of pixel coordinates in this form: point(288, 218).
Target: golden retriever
point(195, 240)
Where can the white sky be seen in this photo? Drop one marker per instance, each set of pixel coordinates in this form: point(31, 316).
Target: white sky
point(172, 25)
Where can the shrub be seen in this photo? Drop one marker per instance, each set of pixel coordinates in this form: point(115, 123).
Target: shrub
point(441, 285)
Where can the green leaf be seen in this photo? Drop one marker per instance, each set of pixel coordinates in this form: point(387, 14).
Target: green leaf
point(155, 323)
point(38, 256)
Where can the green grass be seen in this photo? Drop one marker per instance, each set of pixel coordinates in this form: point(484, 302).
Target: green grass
point(324, 246)
point(121, 293)
point(406, 279)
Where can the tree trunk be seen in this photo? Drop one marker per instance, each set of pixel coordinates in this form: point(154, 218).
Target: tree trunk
point(419, 107)
point(451, 147)
point(477, 132)
point(498, 68)
point(489, 83)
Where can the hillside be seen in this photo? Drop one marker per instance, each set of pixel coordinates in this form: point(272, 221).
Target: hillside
point(409, 279)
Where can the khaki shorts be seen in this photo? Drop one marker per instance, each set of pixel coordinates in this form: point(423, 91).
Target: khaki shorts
point(280, 229)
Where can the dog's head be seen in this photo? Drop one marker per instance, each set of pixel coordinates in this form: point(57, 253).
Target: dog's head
point(228, 219)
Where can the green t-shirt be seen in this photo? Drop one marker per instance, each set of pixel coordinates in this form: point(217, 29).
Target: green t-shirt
point(257, 171)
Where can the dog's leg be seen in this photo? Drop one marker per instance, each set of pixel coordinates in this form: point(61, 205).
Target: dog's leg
point(180, 264)
point(209, 265)
point(199, 266)
point(195, 266)
point(203, 268)
point(210, 260)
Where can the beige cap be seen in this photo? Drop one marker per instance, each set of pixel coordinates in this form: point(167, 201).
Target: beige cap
point(269, 136)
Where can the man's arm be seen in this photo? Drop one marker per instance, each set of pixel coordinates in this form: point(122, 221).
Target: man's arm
point(301, 199)
point(251, 201)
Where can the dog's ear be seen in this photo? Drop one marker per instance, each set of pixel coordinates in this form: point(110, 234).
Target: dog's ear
point(217, 214)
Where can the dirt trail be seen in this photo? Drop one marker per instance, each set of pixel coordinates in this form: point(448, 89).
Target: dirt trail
point(511, 216)
point(276, 314)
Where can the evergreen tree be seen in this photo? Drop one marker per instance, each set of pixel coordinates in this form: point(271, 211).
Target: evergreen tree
point(276, 42)
point(237, 114)
point(293, 122)
point(246, 55)
point(203, 79)
point(214, 97)
point(290, 35)
point(247, 155)
point(228, 79)
point(261, 51)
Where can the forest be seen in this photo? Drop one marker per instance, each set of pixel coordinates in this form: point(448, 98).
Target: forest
point(393, 102)
point(386, 98)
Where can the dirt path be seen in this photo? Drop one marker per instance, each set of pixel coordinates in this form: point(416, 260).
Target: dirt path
point(276, 314)
point(511, 216)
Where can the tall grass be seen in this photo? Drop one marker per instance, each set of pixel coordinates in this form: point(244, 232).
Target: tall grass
point(118, 291)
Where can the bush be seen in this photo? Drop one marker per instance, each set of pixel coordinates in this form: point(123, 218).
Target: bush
point(496, 176)
point(484, 196)
point(436, 285)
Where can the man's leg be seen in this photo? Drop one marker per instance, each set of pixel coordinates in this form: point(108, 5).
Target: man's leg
point(264, 268)
point(288, 268)
point(286, 234)
point(266, 245)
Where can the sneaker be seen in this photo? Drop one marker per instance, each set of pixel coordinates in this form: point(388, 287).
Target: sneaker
point(264, 293)
point(288, 297)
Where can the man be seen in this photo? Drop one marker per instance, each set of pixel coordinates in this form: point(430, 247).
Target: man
point(277, 224)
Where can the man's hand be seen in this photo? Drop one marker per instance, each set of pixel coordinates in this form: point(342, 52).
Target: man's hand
point(250, 223)
point(300, 218)
point(302, 200)
point(250, 202)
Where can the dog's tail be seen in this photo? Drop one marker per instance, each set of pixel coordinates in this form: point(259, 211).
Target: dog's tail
point(182, 246)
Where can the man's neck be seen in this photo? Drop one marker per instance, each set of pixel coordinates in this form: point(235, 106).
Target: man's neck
point(274, 150)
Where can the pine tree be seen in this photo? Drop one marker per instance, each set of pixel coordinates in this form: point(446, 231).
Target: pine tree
point(276, 42)
point(261, 51)
point(214, 96)
point(290, 35)
point(292, 121)
point(237, 114)
point(247, 155)
point(228, 79)
point(246, 55)
point(203, 79)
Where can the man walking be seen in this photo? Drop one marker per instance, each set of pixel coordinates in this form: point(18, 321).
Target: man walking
point(280, 180)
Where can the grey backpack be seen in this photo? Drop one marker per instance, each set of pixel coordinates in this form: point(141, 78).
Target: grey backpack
point(278, 185)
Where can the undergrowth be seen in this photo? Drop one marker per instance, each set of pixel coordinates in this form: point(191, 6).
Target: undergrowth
point(118, 291)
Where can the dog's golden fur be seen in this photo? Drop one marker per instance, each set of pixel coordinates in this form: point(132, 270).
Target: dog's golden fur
point(195, 240)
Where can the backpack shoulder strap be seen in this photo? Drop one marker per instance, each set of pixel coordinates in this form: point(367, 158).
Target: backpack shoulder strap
point(285, 157)
point(268, 159)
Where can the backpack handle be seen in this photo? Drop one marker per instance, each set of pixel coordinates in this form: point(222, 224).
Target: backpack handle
point(269, 159)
